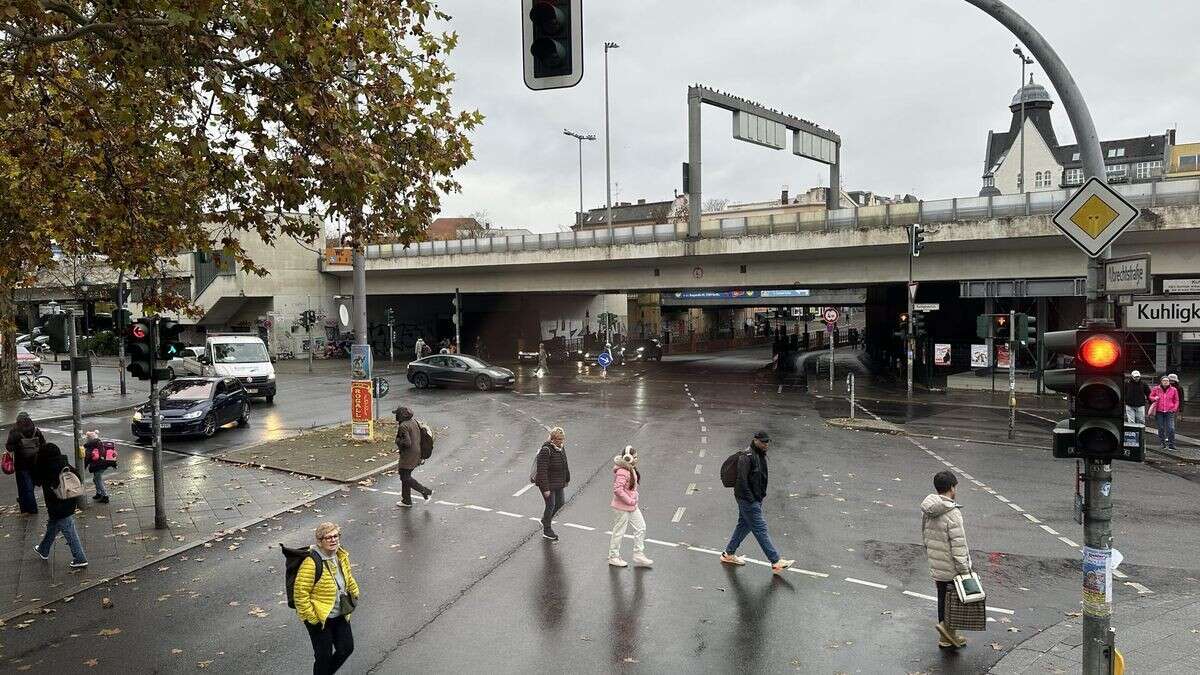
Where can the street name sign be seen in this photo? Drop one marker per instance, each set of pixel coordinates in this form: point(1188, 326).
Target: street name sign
point(1163, 312)
point(1130, 274)
point(927, 306)
point(1094, 217)
point(1181, 285)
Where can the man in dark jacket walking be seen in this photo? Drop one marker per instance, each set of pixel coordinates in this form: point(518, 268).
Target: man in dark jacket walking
point(750, 491)
point(408, 442)
point(552, 476)
point(1135, 395)
point(25, 440)
point(51, 462)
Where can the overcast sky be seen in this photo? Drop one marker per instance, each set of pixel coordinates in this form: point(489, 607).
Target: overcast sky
point(911, 86)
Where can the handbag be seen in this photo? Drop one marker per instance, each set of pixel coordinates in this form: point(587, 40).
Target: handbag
point(8, 464)
point(969, 588)
point(964, 615)
point(1152, 410)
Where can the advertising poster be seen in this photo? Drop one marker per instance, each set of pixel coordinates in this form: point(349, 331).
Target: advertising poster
point(360, 410)
point(360, 362)
point(1002, 356)
point(941, 355)
point(980, 357)
point(1097, 581)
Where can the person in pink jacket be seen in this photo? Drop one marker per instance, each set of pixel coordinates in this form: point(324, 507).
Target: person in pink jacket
point(1166, 406)
point(626, 480)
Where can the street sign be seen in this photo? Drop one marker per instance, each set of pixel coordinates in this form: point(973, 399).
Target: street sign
point(927, 306)
point(1130, 274)
point(1164, 312)
point(831, 315)
point(1181, 285)
point(380, 386)
point(1094, 217)
point(604, 359)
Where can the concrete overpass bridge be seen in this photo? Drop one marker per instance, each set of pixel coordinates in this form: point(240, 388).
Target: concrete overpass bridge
point(976, 238)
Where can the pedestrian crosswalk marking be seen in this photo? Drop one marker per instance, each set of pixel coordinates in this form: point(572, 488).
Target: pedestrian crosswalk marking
point(1016, 508)
point(523, 490)
point(1142, 590)
point(1068, 542)
point(447, 503)
point(872, 584)
point(659, 542)
point(510, 515)
point(703, 550)
point(691, 489)
point(699, 467)
point(1030, 518)
point(580, 527)
point(678, 514)
point(478, 508)
point(1049, 529)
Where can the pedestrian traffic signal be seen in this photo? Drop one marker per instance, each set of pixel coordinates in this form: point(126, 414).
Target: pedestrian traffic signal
point(454, 308)
point(902, 330)
point(1000, 328)
point(918, 321)
point(917, 239)
point(1097, 428)
point(138, 345)
point(391, 316)
point(169, 344)
point(553, 43)
point(122, 320)
point(56, 330)
point(1026, 328)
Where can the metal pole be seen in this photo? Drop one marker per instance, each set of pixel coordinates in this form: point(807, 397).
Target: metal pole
point(1021, 92)
point(607, 153)
point(910, 343)
point(579, 218)
point(850, 384)
point(76, 417)
point(160, 512)
point(1097, 521)
point(833, 199)
point(457, 320)
point(311, 346)
point(121, 338)
point(391, 342)
point(1012, 373)
point(360, 295)
point(694, 173)
point(829, 334)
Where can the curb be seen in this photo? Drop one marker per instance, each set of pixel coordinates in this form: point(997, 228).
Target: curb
point(1178, 458)
point(91, 413)
point(35, 606)
point(346, 481)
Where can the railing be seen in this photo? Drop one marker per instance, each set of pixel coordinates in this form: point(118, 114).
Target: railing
point(1148, 194)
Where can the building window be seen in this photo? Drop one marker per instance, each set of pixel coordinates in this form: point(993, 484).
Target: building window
point(1075, 157)
point(1041, 179)
point(1073, 177)
point(1144, 170)
point(1116, 152)
point(1116, 171)
point(1189, 162)
point(989, 181)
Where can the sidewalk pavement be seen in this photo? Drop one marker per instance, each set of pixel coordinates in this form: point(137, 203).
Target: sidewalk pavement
point(204, 499)
point(58, 406)
point(1155, 635)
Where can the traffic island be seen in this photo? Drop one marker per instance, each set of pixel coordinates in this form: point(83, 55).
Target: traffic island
point(328, 453)
point(865, 424)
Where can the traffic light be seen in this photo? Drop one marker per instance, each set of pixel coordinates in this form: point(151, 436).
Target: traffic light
point(1000, 328)
point(169, 344)
point(1097, 428)
point(56, 330)
point(122, 320)
point(455, 308)
point(919, 329)
point(902, 330)
point(139, 347)
point(552, 33)
point(982, 323)
point(391, 316)
point(1026, 328)
point(917, 239)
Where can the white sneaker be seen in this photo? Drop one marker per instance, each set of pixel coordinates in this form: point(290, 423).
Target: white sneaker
point(732, 559)
point(781, 565)
point(641, 560)
point(617, 562)
point(404, 505)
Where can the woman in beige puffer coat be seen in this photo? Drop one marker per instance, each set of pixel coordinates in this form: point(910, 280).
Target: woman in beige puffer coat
point(945, 541)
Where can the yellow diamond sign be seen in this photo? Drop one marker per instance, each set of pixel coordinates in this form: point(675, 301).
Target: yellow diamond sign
point(1094, 217)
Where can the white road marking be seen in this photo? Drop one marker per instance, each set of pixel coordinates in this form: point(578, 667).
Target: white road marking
point(1002, 498)
point(580, 527)
point(999, 610)
point(703, 550)
point(699, 468)
point(691, 489)
point(968, 476)
point(937, 457)
point(1049, 529)
point(1016, 508)
point(523, 490)
point(393, 493)
point(447, 503)
point(701, 455)
point(368, 489)
point(1068, 542)
point(474, 507)
point(920, 595)
point(978, 482)
point(695, 404)
point(872, 584)
point(1142, 590)
point(810, 573)
point(1120, 575)
point(678, 514)
point(704, 439)
point(703, 428)
point(510, 515)
point(1030, 518)
point(701, 419)
point(780, 390)
point(661, 543)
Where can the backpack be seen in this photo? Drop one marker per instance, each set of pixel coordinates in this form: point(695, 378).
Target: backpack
point(69, 486)
point(102, 455)
point(29, 446)
point(292, 557)
point(426, 440)
point(729, 468)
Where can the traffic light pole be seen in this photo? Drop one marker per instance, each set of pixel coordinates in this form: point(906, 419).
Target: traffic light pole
point(160, 515)
point(76, 417)
point(1012, 373)
point(910, 343)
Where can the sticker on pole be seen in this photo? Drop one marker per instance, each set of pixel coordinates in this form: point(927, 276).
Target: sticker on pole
point(831, 315)
point(1095, 216)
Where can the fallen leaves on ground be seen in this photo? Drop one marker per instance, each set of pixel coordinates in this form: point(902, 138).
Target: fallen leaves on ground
point(997, 646)
point(109, 632)
point(91, 663)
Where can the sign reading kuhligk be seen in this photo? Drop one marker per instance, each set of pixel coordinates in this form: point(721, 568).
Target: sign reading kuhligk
point(1164, 313)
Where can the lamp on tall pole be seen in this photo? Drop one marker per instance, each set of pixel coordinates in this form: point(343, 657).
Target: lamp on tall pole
point(581, 138)
point(1025, 60)
point(607, 154)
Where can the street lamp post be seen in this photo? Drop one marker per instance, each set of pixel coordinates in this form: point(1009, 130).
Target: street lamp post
point(607, 154)
point(1022, 182)
point(581, 138)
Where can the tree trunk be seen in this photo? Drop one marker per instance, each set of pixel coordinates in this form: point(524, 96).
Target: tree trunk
point(9, 389)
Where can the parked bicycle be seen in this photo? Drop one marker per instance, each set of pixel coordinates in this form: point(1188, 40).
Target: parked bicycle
point(33, 386)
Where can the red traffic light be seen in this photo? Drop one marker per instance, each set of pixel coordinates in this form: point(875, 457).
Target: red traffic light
point(1100, 351)
point(138, 331)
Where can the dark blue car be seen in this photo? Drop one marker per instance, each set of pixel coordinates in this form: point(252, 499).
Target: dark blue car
point(195, 406)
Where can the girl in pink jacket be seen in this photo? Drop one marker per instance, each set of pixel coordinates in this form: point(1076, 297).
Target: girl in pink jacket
point(626, 480)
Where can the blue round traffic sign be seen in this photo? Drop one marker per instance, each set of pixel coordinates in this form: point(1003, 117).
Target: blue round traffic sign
point(604, 359)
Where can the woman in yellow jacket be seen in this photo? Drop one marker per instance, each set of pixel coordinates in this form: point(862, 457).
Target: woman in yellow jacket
point(325, 605)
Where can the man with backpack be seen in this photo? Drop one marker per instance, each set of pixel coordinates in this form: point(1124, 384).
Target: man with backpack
point(25, 441)
point(61, 489)
point(748, 469)
point(410, 437)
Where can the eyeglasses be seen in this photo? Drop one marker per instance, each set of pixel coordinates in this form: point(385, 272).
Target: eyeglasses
point(329, 537)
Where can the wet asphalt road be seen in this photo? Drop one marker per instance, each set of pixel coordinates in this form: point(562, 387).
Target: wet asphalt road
point(465, 583)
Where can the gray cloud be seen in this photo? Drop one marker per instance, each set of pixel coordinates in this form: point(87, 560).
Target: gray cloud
point(912, 87)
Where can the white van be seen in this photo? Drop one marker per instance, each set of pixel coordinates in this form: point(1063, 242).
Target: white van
point(239, 355)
